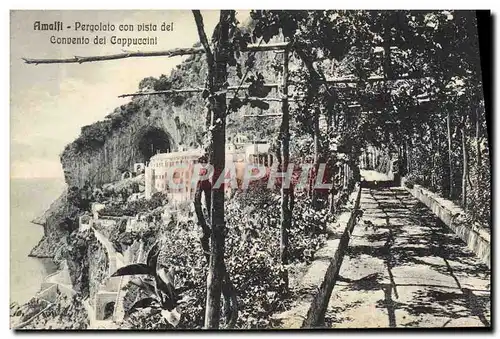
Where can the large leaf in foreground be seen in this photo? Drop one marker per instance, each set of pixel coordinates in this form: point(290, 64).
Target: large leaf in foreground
point(133, 269)
point(165, 282)
point(145, 285)
point(171, 316)
point(142, 303)
point(153, 256)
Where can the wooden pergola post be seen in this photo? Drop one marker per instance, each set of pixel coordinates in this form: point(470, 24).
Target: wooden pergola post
point(286, 219)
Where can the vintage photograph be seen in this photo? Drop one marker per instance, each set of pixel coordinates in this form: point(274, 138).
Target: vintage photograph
point(249, 169)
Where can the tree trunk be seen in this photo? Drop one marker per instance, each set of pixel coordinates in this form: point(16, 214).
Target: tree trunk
point(439, 179)
point(450, 155)
point(433, 162)
point(407, 157)
point(317, 151)
point(333, 191)
point(203, 187)
point(346, 175)
point(404, 164)
point(478, 144)
point(401, 160)
point(286, 217)
point(216, 80)
point(465, 166)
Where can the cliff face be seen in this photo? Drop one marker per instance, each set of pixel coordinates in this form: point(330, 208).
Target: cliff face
point(57, 222)
point(153, 123)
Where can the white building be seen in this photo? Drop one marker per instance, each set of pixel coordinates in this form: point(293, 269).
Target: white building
point(177, 167)
point(157, 174)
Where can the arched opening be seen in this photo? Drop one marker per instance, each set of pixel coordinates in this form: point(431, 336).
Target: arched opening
point(108, 310)
point(153, 141)
point(126, 175)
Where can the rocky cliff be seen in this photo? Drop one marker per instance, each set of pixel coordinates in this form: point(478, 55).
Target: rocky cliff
point(58, 222)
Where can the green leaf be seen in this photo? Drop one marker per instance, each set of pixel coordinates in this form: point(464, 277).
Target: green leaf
point(134, 269)
point(250, 62)
point(231, 61)
point(235, 104)
point(171, 316)
point(153, 256)
point(187, 286)
point(259, 104)
point(144, 285)
point(142, 303)
point(239, 73)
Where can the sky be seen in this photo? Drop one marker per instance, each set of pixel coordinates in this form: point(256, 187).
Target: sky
point(50, 103)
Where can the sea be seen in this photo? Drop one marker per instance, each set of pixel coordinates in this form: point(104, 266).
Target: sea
point(29, 198)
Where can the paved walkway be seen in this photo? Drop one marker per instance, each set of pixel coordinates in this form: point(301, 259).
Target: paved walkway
point(371, 175)
point(404, 268)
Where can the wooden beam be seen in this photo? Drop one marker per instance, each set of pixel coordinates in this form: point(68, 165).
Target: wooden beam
point(198, 18)
point(269, 85)
point(263, 99)
point(139, 54)
point(374, 78)
point(196, 90)
point(190, 90)
point(262, 115)
point(168, 91)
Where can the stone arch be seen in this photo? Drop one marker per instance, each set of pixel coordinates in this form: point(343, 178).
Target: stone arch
point(126, 175)
point(109, 309)
point(139, 167)
point(151, 141)
point(103, 301)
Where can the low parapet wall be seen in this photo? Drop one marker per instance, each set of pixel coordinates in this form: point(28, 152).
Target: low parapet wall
point(50, 292)
point(321, 276)
point(477, 238)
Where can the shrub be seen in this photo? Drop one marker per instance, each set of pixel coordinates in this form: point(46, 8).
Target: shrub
point(252, 258)
point(65, 314)
point(412, 180)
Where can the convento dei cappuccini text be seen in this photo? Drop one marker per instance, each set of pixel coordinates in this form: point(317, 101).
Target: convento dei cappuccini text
point(102, 40)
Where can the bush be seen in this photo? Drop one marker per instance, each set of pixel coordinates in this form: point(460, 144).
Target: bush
point(412, 180)
point(65, 314)
point(115, 234)
point(132, 208)
point(252, 258)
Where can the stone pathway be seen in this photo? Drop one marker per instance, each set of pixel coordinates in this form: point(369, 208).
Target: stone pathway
point(371, 175)
point(405, 268)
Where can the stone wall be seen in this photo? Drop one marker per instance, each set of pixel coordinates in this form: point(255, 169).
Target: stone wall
point(475, 236)
point(49, 293)
point(318, 282)
point(98, 268)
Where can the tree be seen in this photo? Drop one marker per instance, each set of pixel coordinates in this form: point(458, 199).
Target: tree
point(217, 60)
point(224, 50)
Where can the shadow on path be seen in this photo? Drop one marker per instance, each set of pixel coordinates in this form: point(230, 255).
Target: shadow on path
point(405, 263)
